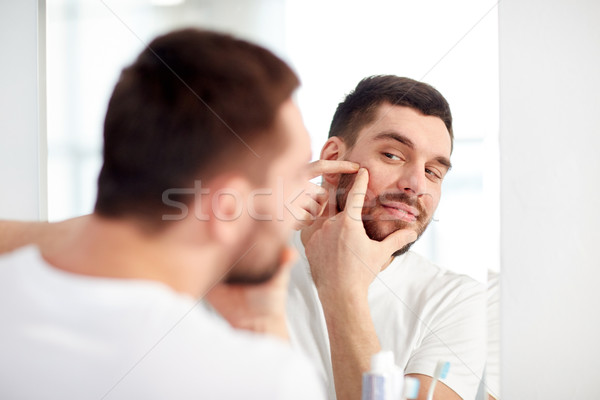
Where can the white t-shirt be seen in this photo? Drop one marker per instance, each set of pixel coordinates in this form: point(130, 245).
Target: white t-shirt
point(69, 336)
point(423, 313)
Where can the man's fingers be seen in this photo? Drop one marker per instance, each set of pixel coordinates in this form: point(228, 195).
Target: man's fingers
point(307, 212)
point(356, 195)
point(317, 193)
point(310, 205)
point(320, 167)
point(313, 208)
point(398, 240)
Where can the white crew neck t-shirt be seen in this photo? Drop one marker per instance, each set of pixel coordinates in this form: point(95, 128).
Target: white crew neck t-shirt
point(69, 336)
point(421, 312)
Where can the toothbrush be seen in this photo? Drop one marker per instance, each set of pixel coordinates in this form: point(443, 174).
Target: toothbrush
point(441, 371)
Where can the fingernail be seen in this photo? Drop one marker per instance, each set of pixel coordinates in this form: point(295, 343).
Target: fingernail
point(355, 165)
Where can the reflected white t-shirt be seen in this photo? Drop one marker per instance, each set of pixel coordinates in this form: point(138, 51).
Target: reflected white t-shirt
point(68, 336)
point(421, 312)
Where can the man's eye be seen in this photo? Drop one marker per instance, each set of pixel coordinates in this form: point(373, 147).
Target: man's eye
point(391, 156)
point(433, 173)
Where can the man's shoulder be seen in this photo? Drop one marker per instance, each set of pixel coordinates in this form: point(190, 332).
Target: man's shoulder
point(418, 272)
point(145, 330)
point(17, 266)
point(233, 363)
point(410, 269)
point(19, 255)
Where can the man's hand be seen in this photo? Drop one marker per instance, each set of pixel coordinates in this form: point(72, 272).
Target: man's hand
point(343, 259)
point(343, 262)
point(259, 308)
point(312, 202)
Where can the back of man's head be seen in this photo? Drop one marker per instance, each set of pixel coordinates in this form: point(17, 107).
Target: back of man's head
point(359, 108)
point(194, 103)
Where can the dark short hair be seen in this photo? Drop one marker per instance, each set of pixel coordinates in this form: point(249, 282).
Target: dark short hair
point(193, 103)
point(359, 107)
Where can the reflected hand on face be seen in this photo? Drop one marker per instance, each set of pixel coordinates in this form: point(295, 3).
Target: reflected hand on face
point(256, 307)
point(342, 258)
point(312, 201)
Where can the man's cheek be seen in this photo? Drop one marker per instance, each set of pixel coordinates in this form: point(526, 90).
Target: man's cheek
point(370, 199)
point(377, 178)
point(430, 204)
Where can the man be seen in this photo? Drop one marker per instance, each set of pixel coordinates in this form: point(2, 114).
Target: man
point(357, 289)
point(196, 128)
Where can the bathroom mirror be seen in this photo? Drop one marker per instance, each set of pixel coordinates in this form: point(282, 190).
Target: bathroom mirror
point(332, 45)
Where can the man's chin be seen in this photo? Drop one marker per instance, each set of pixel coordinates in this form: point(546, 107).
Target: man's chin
point(254, 268)
point(402, 250)
point(379, 230)
point(247, 277)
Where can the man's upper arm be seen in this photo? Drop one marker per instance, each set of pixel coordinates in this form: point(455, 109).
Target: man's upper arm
point(47, 236)
point(442, 392)
point(15, 234)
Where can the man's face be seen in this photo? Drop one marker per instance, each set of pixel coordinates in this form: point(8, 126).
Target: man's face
point(286, 175)
point(407, 155)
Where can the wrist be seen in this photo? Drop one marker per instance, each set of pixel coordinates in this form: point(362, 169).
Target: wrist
point(342, 297)
point(344, 304)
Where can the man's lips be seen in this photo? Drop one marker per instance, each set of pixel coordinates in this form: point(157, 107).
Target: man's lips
point(401, 211)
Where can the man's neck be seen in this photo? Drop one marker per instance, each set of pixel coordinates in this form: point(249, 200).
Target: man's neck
point(119, 249)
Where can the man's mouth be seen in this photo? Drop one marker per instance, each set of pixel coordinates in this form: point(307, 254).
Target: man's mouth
point(401, 211)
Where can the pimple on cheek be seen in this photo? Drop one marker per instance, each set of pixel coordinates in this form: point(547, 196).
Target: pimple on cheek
point(374, 179)
point(372, 191)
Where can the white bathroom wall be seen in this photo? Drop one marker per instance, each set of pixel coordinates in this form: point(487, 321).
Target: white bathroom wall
point(22, 114)
point(550, 198)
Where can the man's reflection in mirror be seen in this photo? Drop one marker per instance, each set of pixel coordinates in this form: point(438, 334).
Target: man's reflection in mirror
point(357, 288)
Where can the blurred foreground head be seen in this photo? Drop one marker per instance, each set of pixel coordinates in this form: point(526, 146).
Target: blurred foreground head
point(203, 109)
point(193, 104)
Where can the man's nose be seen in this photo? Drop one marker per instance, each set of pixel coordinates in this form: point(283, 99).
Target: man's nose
point(412, 180)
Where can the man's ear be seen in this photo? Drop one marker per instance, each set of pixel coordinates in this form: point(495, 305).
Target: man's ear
point(228, 219)
point(333, 149)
